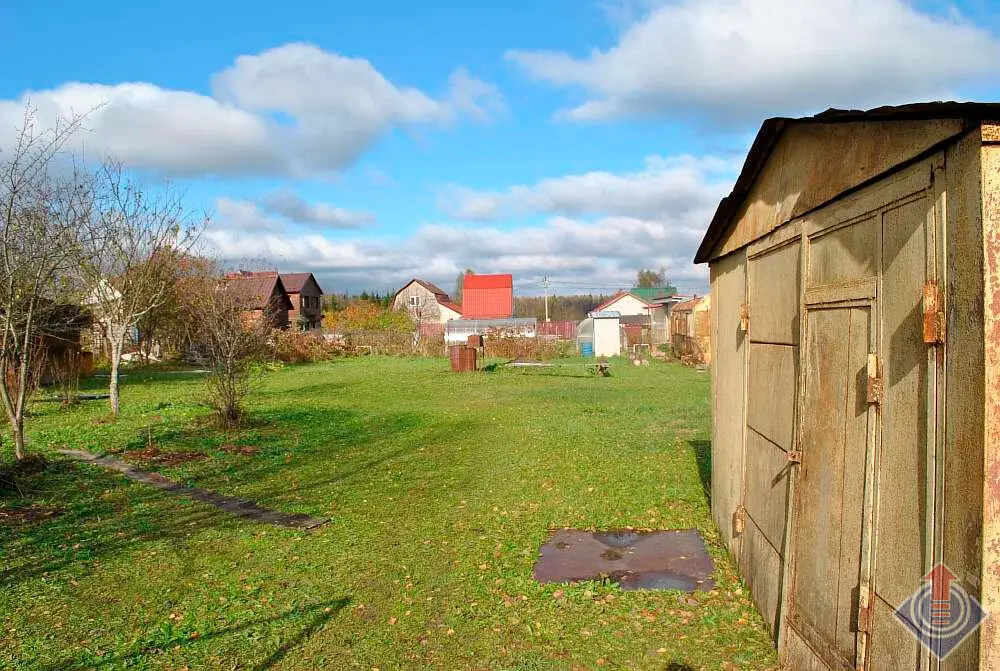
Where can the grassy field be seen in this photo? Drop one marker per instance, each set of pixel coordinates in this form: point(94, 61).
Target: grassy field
point(439, 488)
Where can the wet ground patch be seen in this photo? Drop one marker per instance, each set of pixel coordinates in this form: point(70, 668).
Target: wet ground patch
point(646, 560)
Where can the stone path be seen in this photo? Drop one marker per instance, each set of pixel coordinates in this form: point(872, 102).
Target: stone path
point(230, 504)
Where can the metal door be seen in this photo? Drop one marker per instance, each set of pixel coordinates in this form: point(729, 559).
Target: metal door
point(835, 448)
point(862, 531)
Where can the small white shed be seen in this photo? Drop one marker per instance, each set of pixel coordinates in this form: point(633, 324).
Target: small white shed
point(607, 333)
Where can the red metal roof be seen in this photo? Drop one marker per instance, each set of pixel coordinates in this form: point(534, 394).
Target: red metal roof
point(451, 306)
point(487, 296)
point(487, 282)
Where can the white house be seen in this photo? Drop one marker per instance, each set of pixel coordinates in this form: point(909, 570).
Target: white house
point(627, 303)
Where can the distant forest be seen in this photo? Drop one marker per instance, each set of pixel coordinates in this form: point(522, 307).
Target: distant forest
point(561, 308)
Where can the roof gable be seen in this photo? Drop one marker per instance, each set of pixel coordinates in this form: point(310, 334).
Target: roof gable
point(797, 165)
point(440, 295)
point(258, 289)
point(617, 297)
point(296, 282)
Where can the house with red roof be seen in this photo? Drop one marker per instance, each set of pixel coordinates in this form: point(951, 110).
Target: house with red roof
point(487, 296)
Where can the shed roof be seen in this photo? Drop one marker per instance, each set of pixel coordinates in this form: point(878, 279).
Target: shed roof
point(690, 304)
point(772, 129)
point(454, 307)
point(650, 294)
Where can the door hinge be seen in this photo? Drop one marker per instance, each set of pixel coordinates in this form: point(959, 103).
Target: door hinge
point(744, 318)
point(864, 616)
point(934, 317)
point(739, 520)
point(874, 387)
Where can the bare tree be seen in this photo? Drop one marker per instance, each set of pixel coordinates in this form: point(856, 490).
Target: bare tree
point(232, 341)
point(42, 205)
point(127, 257)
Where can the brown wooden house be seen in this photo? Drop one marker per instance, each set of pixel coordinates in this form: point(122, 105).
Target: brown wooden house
point(307, 297)
point(264, 295)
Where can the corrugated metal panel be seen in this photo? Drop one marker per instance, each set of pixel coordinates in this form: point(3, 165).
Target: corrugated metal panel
point(495, 303)
point(487, 282)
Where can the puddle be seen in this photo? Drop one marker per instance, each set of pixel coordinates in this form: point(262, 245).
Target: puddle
point(649, 560)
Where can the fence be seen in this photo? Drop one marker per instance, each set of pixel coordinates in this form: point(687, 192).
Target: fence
point(389, 342)
point(561, 330)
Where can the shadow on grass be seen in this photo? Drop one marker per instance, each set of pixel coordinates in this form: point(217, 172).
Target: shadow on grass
point(100, 519)
point(317, 615)
point(314, 447)
point(703, 457)
point(677, 666)
point(90, 526)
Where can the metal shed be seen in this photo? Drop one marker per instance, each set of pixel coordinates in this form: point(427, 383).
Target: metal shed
point(600, 334)
point(855, 275)
point(691, 330)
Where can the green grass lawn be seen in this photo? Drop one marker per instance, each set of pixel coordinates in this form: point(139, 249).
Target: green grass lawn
point(439, 488)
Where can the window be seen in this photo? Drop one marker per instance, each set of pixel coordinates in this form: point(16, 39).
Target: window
point(415, 302)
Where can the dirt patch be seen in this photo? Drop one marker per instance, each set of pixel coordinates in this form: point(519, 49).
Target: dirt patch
point(245, 450)
point(153, 455)
point(22, 517)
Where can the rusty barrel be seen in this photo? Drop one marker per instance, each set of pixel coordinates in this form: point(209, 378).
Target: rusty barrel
point(475, 341)
point(455, 354)
point(469, 359)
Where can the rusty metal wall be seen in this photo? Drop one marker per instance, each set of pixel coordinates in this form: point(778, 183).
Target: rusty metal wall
point(963, 468)
point(867, 260)
point(813, 163)
point(728, 349)
point(990, 634)
point(691, 331)
point(773, 310)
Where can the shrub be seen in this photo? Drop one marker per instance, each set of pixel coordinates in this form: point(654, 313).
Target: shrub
point(306, 347)
point(504, 346)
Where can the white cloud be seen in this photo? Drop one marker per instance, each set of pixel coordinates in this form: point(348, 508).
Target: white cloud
point(738, 60)
point(608, 251)
point(244, 216)
point(669, 186)
point(600, 228)
point(293, 207)
point(274, 211)
point(293, 110)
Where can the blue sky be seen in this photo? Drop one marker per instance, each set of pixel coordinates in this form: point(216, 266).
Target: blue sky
point(372, 142)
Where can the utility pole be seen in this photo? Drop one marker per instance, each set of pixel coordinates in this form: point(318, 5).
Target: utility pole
point(545, 283)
